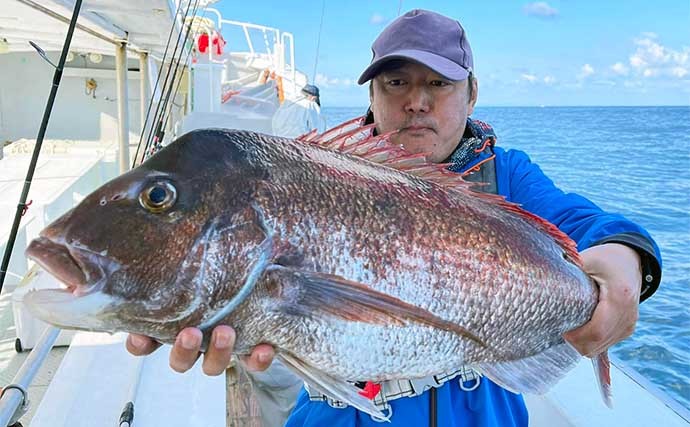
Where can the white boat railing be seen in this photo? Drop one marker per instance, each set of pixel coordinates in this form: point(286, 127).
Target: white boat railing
point(276, 50)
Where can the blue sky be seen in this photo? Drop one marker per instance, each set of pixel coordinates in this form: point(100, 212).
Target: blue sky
point(582, 52)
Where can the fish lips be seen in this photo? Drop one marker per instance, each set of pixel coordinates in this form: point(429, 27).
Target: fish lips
point(83, 271)
point(82, 305)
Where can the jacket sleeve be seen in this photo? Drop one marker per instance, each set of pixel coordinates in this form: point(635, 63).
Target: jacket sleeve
point(523, 182)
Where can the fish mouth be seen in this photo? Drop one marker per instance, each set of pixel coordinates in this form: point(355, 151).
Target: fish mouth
point(81, 270)
point(82, 305)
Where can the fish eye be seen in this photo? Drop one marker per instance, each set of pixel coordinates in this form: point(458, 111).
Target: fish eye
point(158, 197)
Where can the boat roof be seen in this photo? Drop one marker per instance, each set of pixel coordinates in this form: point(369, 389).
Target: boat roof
point(102, 23)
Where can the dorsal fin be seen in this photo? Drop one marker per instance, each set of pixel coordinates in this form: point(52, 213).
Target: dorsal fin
point(356, 138)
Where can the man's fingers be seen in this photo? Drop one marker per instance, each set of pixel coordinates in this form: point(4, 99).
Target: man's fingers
point(260, 359)
point(217, 357)
point(140, 345)
point(186, 349)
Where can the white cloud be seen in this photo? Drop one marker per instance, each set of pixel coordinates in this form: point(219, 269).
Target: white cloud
point(536, 79)
point(637, 62)
point(529, 78)
point(325, 81)
point(540, 9)
point(586, 71)
point(682, 58)
point(632, 83)
point(652, 59)
point(649, 35)
point(620, 69)
point(377, 19)
point(679, 72)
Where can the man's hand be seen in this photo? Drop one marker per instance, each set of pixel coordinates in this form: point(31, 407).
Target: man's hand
point(186, 350)
point(616, 268)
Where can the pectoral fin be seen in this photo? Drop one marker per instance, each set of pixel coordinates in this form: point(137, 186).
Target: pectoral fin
point(308, 293)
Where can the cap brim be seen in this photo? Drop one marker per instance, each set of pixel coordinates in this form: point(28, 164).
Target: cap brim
point(439, 64)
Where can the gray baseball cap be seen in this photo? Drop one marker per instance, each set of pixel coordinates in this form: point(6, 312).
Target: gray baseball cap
point(428, 38)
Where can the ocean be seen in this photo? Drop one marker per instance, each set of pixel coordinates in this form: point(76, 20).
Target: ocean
point(630, 160)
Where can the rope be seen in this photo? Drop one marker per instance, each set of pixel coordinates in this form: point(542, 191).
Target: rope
point(318, 41)
point(399, 7)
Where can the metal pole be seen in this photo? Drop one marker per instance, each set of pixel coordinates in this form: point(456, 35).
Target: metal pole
point(57, 77)
point(144, 95)
point(13, 397)
point(122, 107)
point(144, 87)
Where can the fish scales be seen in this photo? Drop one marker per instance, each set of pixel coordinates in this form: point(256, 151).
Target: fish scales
point(375, 227)
point(352, 269)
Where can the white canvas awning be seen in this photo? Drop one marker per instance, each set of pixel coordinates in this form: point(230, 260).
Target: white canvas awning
point(144, 24)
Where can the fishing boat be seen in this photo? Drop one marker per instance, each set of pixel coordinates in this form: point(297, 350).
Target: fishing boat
point(136, 75)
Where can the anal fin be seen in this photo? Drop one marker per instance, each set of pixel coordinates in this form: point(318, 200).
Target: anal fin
point(534, 374)
point(332, 387)
point(538, 373)
point(602, 371)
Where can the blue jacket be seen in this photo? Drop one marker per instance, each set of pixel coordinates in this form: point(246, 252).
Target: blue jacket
point(523, 182)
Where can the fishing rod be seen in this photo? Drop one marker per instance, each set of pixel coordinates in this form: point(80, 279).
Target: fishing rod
point(57, 78)
point(13, 401)
point(155, 88)
point(156, 114)
point(154, 129)
point(179, 81)
point(162, 106)
point(164, 118)
point(127, 414)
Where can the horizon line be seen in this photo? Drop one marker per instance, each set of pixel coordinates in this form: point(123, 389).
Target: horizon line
point(539, 106)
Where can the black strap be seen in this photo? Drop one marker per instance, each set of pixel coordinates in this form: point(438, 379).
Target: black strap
point(433, 408)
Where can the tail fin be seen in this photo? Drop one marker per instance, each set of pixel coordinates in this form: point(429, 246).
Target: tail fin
point(602, 371)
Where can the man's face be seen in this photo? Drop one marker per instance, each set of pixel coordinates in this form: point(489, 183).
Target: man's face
point(430, 110)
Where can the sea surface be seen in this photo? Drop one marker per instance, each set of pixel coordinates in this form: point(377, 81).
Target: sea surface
point(630, 160)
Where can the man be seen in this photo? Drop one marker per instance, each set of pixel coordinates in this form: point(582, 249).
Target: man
point(293, 119)
point(312, 94)
point(422, 83)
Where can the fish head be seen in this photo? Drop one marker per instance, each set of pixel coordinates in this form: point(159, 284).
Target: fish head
point(133, 254)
